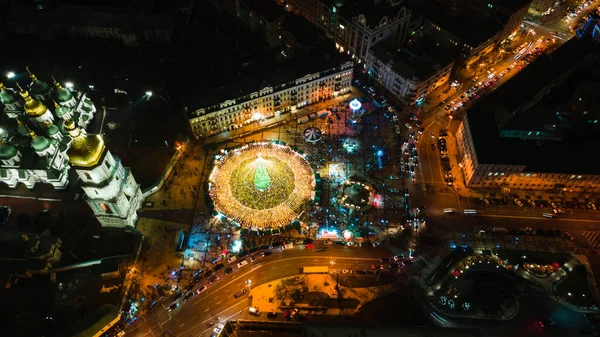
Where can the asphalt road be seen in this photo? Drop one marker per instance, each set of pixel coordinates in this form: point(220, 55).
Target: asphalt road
point(193, 318)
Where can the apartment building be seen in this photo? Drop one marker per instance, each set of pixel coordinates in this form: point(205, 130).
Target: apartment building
point(271, 100)
point(413, 72)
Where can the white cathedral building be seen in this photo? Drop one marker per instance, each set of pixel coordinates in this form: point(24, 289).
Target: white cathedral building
point(42, 145)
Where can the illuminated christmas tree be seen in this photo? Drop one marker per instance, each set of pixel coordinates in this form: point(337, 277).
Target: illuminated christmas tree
point(262, 181)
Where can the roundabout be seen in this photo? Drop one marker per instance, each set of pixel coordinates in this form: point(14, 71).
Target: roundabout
point(261, 185)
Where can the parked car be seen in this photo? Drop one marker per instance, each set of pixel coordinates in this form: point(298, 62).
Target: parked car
point(200, 290)
point(188, 295)
point(228, 270)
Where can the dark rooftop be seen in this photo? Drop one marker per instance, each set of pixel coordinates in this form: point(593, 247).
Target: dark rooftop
point(532, 91)
point(419, 60)
point(372, 12)
point(267, 9)
point(238, 65)
point(304, 31)
point(470, 32)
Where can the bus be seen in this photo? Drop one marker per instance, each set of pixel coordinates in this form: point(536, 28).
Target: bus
point(316, 270)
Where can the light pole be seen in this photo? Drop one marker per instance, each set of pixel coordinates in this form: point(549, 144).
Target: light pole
point(10, 75)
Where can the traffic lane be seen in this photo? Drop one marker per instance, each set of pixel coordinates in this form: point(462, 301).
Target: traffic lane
point(430, 163)
point(197, 315)
point(278, 262)
point(526, 210)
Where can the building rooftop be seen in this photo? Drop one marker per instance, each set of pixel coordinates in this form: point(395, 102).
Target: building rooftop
point(238, 67)
point(74, 293)
point(304, 31)
point(552, 95)
point(269, 10)
point(470, 32)
point(372, 10)
point(418, 61)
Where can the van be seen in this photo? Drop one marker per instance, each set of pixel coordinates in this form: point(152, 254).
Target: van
point(254, 311)
point(499, 230)
point(241, 264)
point(232, 259)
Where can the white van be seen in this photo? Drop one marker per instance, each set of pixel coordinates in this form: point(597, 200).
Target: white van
point(241, 264)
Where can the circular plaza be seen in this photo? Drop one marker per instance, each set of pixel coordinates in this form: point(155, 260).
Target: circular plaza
point(261, 185)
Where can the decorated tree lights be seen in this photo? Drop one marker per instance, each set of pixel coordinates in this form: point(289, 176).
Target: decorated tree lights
point(262, 181)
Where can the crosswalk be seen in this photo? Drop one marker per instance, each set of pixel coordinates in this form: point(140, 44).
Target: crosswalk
point(593, 238)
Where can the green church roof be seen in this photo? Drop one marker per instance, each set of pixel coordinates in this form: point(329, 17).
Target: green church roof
point(61, 111)
point(64, 95)
point(22, 130)
point(7, 96)
point(39, 87)
point(40, 143)
point(7, 151)
point(52, 130)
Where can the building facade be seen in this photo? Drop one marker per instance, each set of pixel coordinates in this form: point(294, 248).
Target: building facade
point(271, 101)
point(515, 177)
point(355, 26)
point(401, 78)
point(48, 146)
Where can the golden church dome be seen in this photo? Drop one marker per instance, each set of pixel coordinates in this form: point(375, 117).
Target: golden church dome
point(33, 108)
point(86, 150)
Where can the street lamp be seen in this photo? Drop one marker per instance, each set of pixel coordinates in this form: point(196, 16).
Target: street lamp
point(149, 93)
point(10, 74)
point(69, 85)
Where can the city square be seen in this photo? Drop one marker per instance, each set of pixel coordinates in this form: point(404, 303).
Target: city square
point(365, 168)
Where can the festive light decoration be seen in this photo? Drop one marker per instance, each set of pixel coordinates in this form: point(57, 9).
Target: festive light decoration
point(261, 185)
point(262, 181)
point(355, 105)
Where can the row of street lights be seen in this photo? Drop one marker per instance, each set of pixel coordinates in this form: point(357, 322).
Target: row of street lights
point(68, 85)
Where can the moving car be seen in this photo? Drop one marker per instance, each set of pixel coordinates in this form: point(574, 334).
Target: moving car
point(173, 306)
point(240, 293)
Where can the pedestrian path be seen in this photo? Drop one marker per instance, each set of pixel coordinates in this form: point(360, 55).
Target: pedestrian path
point(593, 238)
